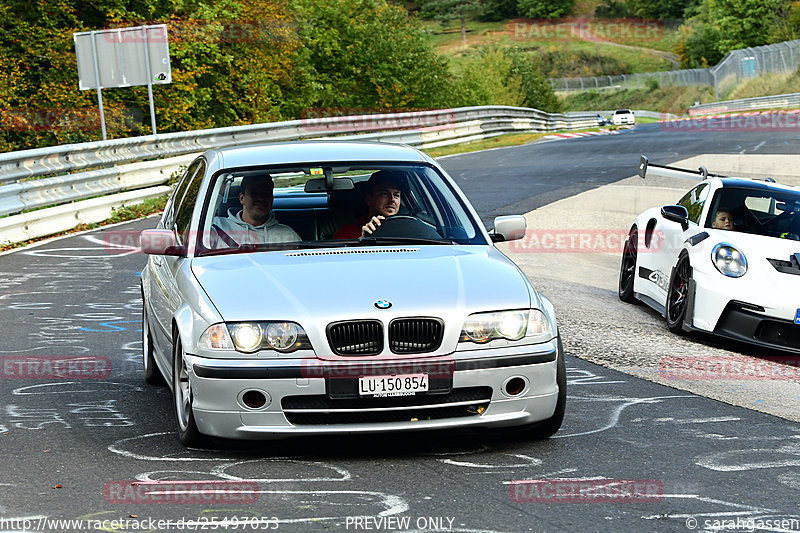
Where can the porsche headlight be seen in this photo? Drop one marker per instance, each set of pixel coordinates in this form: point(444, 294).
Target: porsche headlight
point(729, 260)
point(511, 325)
point(250, 337)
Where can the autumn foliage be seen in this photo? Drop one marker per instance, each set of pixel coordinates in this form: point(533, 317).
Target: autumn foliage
point(233, 62)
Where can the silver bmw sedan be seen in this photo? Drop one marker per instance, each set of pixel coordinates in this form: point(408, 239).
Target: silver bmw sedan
point(328, 287)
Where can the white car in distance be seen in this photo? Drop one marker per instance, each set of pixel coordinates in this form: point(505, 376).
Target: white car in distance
point(622, 117)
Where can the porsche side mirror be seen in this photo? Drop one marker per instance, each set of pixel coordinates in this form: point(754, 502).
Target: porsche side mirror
point(676, 213)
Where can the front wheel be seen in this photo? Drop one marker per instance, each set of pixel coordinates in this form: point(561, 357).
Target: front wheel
point(152, 375)
point(627, 270)
point(188, 433)
point(678, 295)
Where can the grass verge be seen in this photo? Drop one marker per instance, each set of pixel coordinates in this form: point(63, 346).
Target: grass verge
point(675, 100)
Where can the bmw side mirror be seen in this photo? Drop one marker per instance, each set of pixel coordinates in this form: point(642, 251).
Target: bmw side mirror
point(509, 228)
point(160, 242)
point(676, 213)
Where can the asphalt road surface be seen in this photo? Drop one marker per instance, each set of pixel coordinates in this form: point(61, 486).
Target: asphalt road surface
point(654, 458)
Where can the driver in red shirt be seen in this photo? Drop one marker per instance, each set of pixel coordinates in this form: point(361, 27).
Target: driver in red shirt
point(382, 198)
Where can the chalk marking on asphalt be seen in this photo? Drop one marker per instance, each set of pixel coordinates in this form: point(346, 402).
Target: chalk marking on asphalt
point(616, 413)
point(528, 461)
point(716, 461)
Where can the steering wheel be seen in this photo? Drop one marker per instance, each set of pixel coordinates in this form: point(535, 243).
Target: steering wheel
point(405, 226)
point(774, 224)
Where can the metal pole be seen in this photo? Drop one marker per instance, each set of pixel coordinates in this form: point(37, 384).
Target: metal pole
point(149, 82)
point(99, 90)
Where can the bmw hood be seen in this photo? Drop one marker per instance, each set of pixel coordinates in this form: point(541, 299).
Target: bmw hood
point(323, 286)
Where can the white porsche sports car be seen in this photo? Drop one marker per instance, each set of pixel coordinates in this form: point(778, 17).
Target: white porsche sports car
point(724, 260)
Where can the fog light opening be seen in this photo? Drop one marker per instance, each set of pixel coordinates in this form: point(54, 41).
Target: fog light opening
point(254, 399)
point(515, 386)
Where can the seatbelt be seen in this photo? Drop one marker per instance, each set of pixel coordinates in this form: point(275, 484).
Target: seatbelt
point(227, 239)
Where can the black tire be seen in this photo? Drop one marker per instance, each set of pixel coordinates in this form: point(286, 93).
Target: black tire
point(627, 269)
point(678, 295)
point(152, 375)
point(188, 433)
point(547, 428)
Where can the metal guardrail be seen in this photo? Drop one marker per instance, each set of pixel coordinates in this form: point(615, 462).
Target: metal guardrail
point(747, 104)
point(38, 178)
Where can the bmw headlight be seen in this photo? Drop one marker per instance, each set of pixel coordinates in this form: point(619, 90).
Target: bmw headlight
point(250, 337)
point(511, 325)
point(729, 260)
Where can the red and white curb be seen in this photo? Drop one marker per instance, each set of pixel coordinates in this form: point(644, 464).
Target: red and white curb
point(556, 136)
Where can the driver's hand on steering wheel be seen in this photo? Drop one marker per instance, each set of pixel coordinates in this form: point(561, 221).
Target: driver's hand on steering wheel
point(373, 224)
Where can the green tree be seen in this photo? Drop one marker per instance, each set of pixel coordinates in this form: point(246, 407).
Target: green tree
point(536, 89)
point(666, 10)
point(720, 26)
point(544, 9)
point(364, 54)
point(497, 10)
point(487, 78)
point(742, 23)
point(222, 76)
point(446, 11)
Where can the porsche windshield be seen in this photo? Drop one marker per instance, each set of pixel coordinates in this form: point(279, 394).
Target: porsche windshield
point(322, 205)
point(768, 212)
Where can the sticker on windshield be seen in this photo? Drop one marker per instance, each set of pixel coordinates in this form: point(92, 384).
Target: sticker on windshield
point(797, 317)
point(316, 171)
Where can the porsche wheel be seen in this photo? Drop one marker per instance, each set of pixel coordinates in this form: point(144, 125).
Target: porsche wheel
point(678, 295)
point(188, 433)
point(627, 270)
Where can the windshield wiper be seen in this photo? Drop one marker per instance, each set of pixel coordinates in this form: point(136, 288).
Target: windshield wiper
point(370, 241)
point(250, 248)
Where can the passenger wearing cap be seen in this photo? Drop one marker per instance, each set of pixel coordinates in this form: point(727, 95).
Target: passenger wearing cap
point(382, 198)
point(255, 223)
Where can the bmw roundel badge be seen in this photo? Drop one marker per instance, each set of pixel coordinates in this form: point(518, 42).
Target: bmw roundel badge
point(383, 304)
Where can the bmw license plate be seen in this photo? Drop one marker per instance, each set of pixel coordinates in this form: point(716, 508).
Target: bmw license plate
point(797, 317)
point(402, 385)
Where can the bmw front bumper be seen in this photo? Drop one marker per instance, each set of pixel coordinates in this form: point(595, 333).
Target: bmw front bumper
point(300, 403)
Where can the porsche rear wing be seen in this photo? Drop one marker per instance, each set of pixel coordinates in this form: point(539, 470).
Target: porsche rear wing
point(646, 167)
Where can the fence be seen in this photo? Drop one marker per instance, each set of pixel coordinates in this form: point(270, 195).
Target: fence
point(77, 179)
point(747, 104)
point(736, 66)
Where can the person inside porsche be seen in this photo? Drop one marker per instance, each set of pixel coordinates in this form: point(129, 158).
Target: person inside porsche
point(723, 219)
